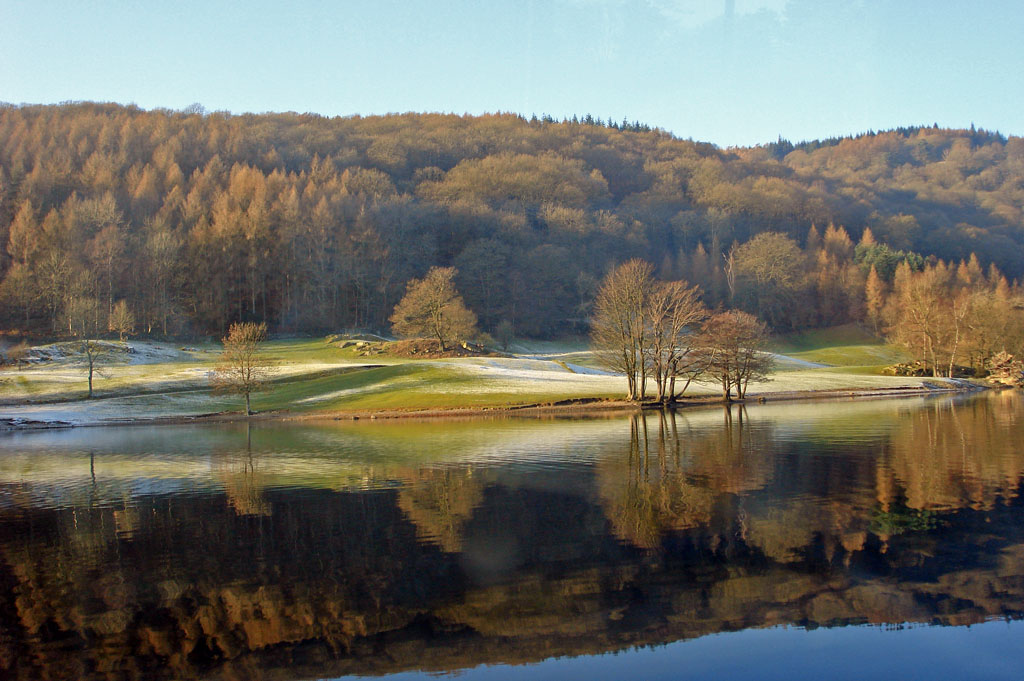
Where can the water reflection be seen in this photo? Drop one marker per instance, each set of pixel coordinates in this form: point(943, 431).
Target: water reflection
point(291, 552)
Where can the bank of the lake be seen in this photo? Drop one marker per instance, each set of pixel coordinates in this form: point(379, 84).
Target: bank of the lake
point(161, 383)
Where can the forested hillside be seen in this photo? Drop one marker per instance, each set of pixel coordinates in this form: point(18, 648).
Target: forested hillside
point(198, 219)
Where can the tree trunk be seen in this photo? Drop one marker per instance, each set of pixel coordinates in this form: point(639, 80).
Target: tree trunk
point(930, 354)
point(110, 286)
point(248, 408)
point(956, 340)
point(689, 380)
point(952, 354)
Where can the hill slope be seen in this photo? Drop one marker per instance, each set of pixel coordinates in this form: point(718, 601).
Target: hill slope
point(315, 223)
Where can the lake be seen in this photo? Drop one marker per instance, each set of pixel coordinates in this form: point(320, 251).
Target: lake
point(837, 539)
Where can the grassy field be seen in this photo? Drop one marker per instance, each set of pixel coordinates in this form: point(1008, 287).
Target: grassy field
point(311, 376)
point(840, 346)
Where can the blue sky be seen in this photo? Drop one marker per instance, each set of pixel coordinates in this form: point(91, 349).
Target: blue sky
point(726, 71)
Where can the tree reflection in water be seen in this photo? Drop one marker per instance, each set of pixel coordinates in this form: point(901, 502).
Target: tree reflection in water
point(663, 527)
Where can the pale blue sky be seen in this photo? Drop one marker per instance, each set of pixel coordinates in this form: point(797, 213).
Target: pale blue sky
point(724, 71)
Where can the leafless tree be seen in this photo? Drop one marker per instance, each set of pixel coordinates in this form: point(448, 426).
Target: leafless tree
point(674, 312)
point(121, 320)
point(432, 307)
point(94, 354)
point(243, 368)
point(619, 333)
point(734, 344)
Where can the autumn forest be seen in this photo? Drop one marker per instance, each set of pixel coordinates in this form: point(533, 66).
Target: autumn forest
point(187, 221)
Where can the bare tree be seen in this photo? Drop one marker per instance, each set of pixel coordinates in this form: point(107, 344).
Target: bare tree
point(674, 310)
point(619, 327)
point(52, 279)
point(642, 327)
point(81, 311)
point(243, 368)
point(94, 353)
point(432, 307)
point(121, 320)
point(957, 326)
point(734, 344)
point(106, 251)
point(916, 312)
point(161, 251)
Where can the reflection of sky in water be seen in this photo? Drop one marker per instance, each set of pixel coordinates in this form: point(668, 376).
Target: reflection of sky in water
point(782, 654)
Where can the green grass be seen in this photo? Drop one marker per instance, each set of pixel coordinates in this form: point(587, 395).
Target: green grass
point(816, 339)
point(564, 366)
point(840, 346)
point(831, 378)
point(551, 347)
point(306, 350)
point(856, 370)
point(303, 393)
point(410, 386)
point(851, 356)
point(314, 376)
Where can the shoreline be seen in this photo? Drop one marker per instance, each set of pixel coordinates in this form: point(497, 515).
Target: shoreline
point(573, 407)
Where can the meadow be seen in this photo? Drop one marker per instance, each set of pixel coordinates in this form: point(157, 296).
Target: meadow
point(315, 376)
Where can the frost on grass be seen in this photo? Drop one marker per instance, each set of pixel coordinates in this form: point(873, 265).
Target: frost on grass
point(785, 361)
point(817, 380)
point(537, 376)
point(174, 381)
point(112, 410)
point(384, 385)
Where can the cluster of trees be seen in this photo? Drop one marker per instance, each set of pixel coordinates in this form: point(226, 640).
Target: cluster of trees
point(819, 283)
point(943, 313)
point(115, 219)
point(950, 317)
point(645, 328)
point(590, 119)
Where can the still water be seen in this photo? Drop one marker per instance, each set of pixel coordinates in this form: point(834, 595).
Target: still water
point(859, 540)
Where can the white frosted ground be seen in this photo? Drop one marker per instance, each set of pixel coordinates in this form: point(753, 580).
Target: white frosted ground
point(801, 380)
point(795, 362)
point(51, 380)
point(500, 375)
point(112, 409)
point(534, 375)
